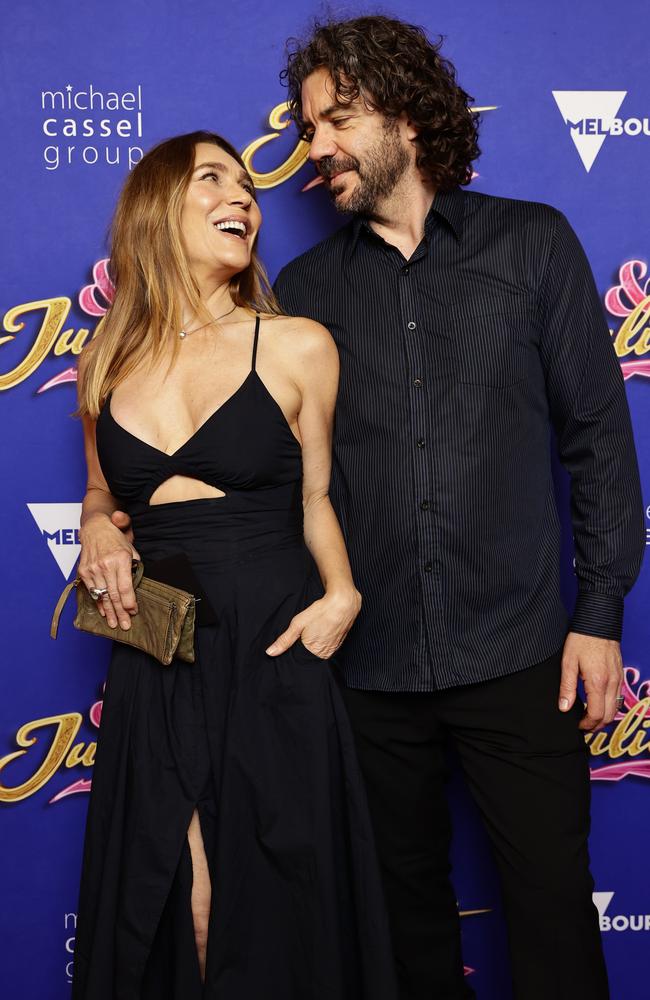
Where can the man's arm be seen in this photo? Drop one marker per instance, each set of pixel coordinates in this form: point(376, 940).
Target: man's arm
point(591, 419)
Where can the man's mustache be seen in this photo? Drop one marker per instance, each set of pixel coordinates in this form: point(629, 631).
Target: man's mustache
point(328, 166)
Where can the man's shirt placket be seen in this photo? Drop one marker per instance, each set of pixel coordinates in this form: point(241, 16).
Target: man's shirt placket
point(423, 501)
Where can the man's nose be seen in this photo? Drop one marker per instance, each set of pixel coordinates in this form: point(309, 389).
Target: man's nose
point(321, 145)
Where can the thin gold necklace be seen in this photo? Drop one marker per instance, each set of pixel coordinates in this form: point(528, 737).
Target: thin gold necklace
point(186, 333)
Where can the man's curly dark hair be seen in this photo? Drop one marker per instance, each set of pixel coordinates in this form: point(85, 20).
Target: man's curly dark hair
point(395, 68)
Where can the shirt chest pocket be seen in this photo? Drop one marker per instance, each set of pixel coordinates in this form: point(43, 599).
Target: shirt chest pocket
point(492, 350)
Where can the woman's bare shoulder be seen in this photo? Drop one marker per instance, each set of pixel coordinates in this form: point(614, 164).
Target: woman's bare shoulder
point(302, 335)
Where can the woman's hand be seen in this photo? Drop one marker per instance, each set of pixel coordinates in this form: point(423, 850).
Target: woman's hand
point(105, 563)
point(322, 626)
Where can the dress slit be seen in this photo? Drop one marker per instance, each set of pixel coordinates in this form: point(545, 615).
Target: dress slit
point(172, 968)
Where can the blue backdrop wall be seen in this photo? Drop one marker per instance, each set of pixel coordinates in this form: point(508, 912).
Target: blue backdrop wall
point(85, 89)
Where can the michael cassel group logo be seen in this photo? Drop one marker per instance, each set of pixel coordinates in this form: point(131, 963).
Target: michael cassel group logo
point(610, 921)
point(592, 115)
point(87, 125)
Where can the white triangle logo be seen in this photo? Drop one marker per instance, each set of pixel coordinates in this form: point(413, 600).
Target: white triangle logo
point(602, 901)
point(577, 106)
point(58, 523)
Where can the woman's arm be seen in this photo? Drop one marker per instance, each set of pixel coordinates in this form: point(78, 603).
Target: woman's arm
point(322, 626)
point(106, 552)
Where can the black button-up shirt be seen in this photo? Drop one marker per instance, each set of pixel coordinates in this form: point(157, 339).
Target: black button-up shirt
point(455, 366)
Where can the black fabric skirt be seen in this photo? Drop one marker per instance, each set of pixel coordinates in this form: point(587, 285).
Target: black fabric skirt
point(262, 748)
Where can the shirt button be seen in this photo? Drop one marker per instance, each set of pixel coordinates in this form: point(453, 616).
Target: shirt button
point(417, 382)
point(428, 567)
point(410, 325)
point(405, 270)
point(425, 505)
point(420, 442)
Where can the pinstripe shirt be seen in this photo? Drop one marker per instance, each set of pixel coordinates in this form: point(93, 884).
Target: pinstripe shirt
point(455, 366)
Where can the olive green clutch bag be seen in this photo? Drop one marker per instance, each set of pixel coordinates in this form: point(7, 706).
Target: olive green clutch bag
point(163, 626)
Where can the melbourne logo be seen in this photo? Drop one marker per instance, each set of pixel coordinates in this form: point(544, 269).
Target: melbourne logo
point(58, 523)
point(591, 117)
point(621, 921)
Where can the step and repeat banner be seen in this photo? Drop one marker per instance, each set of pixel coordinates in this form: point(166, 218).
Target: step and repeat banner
point(564, 94)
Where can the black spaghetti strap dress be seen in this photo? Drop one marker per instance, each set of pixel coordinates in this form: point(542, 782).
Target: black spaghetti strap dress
point(260, 746)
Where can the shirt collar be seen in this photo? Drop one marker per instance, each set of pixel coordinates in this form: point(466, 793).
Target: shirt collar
point(448, 206)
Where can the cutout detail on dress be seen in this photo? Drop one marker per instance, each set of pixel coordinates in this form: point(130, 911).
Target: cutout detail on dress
point(182, 488)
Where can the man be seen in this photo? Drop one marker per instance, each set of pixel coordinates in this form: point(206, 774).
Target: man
point(468, 326)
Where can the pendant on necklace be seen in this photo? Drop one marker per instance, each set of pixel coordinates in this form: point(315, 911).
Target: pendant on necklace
point(183, 334)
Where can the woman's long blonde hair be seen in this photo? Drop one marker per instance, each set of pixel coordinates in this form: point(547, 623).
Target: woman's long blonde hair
point(149, 268)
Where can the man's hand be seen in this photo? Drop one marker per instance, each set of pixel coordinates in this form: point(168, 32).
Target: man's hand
point(598, 662)
point(122, 521)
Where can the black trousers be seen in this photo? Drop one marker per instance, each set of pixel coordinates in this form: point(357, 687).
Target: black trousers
point(527, 768)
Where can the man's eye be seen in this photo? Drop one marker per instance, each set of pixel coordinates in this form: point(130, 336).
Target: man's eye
point(307, 135)
point(339, 121)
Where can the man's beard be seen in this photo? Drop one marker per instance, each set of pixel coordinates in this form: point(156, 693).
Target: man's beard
point(382, 167)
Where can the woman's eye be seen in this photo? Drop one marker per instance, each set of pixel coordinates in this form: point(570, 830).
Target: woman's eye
point(211, 174)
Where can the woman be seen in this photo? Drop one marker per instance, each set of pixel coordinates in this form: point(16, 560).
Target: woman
point(228, 852)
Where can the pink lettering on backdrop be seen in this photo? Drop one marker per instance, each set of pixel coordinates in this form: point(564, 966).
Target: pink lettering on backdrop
point(629, 289)
point(95, 298)
point(626, 769)
point(69, 375)
point(83, 785)
point(630, 368)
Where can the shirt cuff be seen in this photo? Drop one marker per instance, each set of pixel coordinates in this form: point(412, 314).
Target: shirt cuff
point(599, 615)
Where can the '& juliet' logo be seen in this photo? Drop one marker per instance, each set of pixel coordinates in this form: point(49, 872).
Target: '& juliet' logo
point(630, 301)
point(626, 741)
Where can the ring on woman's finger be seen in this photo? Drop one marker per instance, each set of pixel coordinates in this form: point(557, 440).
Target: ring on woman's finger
point(97, 592)
point(620, 701)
